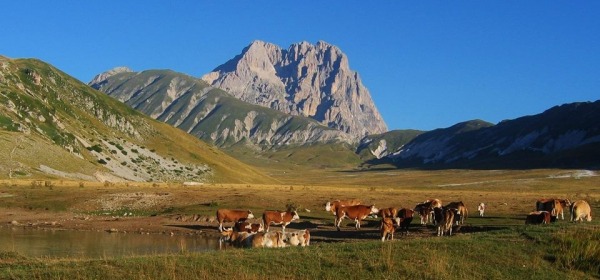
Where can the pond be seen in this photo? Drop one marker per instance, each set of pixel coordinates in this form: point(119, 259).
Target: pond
point(93, 244)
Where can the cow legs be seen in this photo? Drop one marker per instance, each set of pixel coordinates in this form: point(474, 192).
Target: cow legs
point(220, 226)
point(338, 221)
point(357, 224)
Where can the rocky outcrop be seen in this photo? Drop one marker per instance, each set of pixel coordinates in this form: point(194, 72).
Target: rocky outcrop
point(308, 80)
point(102, 77)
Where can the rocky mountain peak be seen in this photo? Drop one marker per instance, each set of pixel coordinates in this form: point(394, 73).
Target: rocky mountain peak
point(309, 80)
point(102, 77)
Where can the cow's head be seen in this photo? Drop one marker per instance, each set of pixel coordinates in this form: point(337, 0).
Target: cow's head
point(227, 233)
point(374, 210)
point(261, 228)
point(250, 215)
point(295, 216)
point(328, 206)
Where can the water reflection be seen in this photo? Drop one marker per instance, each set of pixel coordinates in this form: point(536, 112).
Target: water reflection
point(91, 244)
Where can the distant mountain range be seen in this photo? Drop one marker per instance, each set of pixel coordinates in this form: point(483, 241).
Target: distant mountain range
point(265, 91)
point(566, 136)
point(53, 126)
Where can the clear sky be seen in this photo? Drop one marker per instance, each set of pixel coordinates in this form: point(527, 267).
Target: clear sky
point(427, 64)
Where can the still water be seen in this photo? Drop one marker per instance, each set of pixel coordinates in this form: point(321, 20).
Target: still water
point(92, 244)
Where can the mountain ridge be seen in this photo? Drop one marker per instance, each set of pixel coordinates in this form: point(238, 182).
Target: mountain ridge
point(210, 113)
point(542, 140)
point(308, 80)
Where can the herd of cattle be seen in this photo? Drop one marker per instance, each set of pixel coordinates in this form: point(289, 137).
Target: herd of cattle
point(443, 217)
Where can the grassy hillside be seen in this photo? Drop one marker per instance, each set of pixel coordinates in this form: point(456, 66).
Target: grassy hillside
point(49, 119)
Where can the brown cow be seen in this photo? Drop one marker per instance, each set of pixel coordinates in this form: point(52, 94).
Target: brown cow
point(248, 227)
point(334, 205)
point(444, 219)
point(227, 215)
point(405, 217)
point(387, 229)
point(298, 238)
point(282, 218)
point(425, 210)
point(356, 213)
point(390, 212)
point(236, 238)
point(461, 213)
point(538, 217)
point(547, 204)
point(561, 206)
point(580, 210)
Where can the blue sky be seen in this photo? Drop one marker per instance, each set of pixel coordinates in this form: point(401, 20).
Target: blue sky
point(427, 65)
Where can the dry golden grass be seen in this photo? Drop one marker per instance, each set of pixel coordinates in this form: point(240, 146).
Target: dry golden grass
point(506, 192)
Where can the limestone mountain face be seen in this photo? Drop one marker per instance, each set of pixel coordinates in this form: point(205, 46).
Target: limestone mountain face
point(308, 80)
point(209, 113)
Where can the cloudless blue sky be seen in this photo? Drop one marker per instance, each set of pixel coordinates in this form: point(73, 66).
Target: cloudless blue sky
point(427, 64)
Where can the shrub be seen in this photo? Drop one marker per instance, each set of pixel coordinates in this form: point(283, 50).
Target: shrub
point(96, 148)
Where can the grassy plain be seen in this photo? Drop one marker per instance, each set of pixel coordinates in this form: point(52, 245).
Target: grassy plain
point(497, 246)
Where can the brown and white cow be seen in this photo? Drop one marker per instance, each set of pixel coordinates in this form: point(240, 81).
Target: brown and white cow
point(266, 240)
point(538, 217)
point(444, 220)
point(390, 212)
point(425, 210)
point(228, 215)
point(387, 229)
point(248, 227)
point(332, 206)
point(355, 212)
point(547, 204)
point(237, 239)
point(561, 206)
point(581, 210)
point(405, 217)
point(481, 209)
point(298, 238)
point(461, 213)
point(282, 218)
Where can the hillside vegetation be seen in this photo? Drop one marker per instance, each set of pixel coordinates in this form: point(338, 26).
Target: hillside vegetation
point(54, 126)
